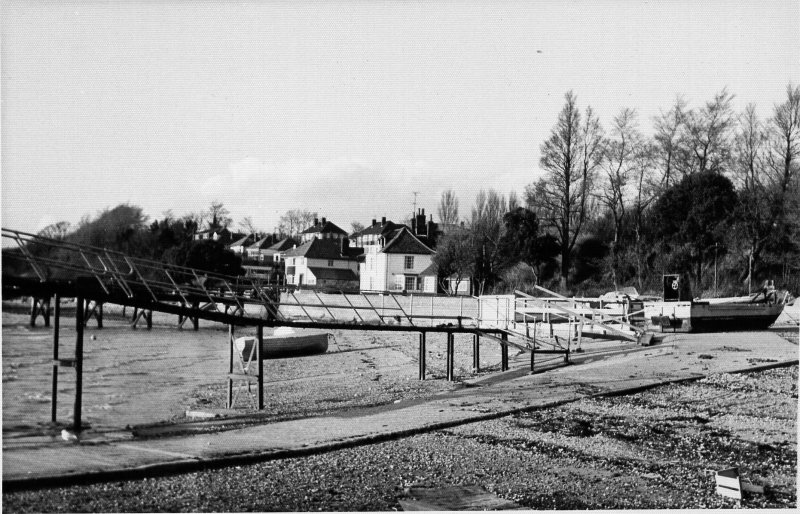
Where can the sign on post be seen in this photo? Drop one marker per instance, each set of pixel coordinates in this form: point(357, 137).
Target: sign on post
point(728, 483)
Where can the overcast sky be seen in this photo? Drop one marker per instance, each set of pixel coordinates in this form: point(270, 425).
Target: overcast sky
point(343, 107)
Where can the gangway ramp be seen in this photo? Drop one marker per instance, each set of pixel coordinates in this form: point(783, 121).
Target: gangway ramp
point(43, 268)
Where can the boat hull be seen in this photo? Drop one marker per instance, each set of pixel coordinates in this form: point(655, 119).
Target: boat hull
point(727, 317)
point(284, 346)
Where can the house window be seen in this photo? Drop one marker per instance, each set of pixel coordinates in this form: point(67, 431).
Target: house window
point(411, 282)
point(330, 263)
point(409, 262)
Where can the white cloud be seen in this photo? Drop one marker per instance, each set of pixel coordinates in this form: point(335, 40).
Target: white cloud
point(348, 189)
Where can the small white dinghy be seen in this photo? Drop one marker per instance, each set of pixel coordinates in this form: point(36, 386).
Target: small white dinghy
point(284, 343)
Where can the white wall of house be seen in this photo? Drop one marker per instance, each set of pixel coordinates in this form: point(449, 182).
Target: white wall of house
point(301, 265)
point(388, 272)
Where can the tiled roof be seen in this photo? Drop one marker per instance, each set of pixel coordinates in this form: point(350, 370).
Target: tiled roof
point(283, 245)
point(264, 242)
point(319, 249)
point(431, 270)
point(324, 228)
point(242, 242)
point(333, 273)
point(378, 228)
point(406, 242)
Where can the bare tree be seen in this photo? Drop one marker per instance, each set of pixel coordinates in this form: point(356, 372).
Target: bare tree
point(783, 168)
point(356, 226)
point(58, 230)
point(706, 140)
point(513, 201)
point(668, 127)
point(648, 184)
point(448, 209)
point(570, 157)
point(218, 216)
point(248, 226)
point(619, 166)
point(295, 221)
point(486, 226)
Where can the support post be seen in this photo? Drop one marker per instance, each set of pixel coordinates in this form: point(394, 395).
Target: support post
point(450, 358)
point(504, 352)
point(230, 366)
point(195, 319)
point(259, 342)
point(422, 354)
point(533, 348)
point(54, 396)
point(476, 353)
point(76, 418)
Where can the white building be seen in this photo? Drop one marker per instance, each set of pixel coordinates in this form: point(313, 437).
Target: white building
point(322, 230)
point(323, 263)
point(397, 264)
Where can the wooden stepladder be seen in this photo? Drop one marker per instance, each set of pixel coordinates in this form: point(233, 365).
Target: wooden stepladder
point(40, 307)
point(93, 309)
point(247, 351)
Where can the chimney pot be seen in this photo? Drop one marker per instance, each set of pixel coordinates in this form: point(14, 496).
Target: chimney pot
point(374, 221)
point(323, 221)
point(316, 221)
point(383, 220)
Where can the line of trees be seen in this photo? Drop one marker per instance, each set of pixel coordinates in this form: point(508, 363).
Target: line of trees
point(711, 188)
point(712, 193)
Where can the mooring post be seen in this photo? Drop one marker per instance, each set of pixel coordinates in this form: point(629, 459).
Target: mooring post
point(259, 342)
point(504, 352)
point(230, 366)
point(476, 352)
point(422, 354)
point(450, 357)
point(76, 423)
point(196, 319)
point(533, 348)
point(54, 396)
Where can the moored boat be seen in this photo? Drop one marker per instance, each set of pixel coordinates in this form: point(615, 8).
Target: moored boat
point(723, 316)
point(284, 343)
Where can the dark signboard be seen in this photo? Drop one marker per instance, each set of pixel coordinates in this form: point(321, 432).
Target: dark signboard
point(672, 288)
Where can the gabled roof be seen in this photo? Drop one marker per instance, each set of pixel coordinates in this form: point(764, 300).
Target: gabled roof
point(283, 245)
point(378, 228)
point(241, 242)
point(333, 273)
point(431, 270)
point(263, 243)
point(406, 242)
point(319, 249)
point(325, 227)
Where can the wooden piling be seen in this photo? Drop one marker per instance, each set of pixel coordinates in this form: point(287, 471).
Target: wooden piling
point(54, 396)
point(450, 357)
point(259, 343)
point(504, 352)
point(422, 354)
point(79, 324)
point(230, 366)
point(476, 353)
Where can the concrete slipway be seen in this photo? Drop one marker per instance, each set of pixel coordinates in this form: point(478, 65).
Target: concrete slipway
point(607, 370)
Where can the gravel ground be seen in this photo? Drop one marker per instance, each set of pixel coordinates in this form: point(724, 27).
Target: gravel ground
point(653, 450)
